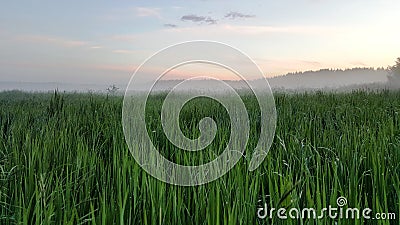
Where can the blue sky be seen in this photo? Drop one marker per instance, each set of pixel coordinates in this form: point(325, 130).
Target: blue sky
point(104, 41)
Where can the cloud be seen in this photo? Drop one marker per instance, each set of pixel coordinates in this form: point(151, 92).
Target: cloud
point(235, 15)
point(112, 67)
point(257, 30)
point(123, 51)
point(96, 47)
point(210, 20)
point(177, 7)
point(170, 25)
point(52, 40)
point(148, 12)
point(193, 18)
point(198, 19)
point(129, 37)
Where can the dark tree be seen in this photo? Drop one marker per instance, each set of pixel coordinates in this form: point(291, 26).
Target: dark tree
point(112, 89)
point(394, 75)
point(395, 70)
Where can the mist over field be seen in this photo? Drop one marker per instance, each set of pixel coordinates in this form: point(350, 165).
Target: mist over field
point(327, 79)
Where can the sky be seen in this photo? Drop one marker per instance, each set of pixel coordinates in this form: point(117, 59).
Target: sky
point(103, 42)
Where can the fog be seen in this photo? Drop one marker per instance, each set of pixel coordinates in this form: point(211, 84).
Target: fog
point(311, 80)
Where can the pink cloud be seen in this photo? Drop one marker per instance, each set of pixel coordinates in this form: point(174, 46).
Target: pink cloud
point(52, 40)
point(124, 37)
point(123, 51)
point(255, 30)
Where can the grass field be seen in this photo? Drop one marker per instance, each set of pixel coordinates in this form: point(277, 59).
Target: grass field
point(64, 160)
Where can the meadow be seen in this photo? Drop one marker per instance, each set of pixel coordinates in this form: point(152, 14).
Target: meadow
point(64, 160)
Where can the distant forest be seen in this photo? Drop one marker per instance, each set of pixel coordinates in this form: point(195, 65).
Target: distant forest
point(355, 69)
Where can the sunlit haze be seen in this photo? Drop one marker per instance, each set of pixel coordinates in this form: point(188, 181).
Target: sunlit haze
point(104, 42)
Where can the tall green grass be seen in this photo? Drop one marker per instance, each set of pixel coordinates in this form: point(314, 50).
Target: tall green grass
point(63, 160)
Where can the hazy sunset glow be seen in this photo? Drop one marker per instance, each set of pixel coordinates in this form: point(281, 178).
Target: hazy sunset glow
point(97, 42)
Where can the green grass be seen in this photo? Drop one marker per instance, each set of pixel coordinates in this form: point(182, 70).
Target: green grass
point(64, 160)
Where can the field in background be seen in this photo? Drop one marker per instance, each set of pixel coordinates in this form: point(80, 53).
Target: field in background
point(63, 160)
